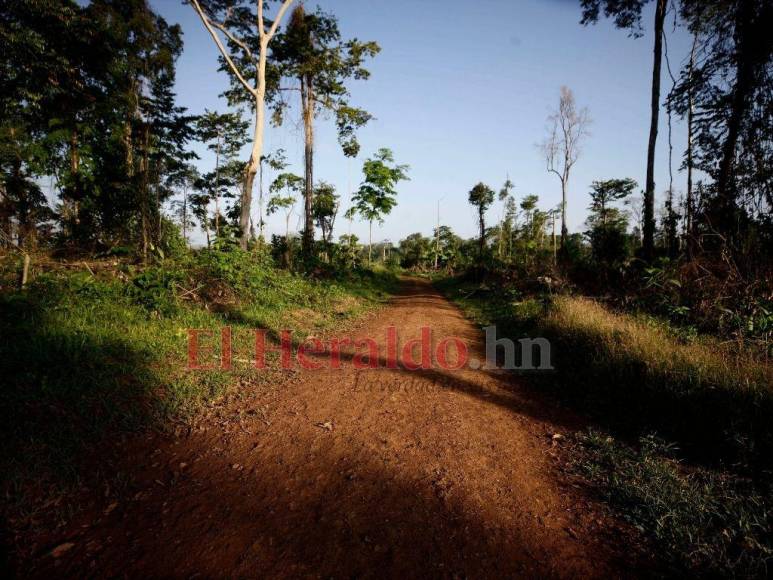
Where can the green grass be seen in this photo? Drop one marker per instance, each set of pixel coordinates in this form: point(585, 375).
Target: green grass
point(705, 497)
point(703, 521)
point(90, 357)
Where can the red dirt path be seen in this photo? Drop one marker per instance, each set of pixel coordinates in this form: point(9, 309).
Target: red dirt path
point(355, 473)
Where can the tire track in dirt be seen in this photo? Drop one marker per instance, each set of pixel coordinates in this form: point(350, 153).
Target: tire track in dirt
point(356, 473)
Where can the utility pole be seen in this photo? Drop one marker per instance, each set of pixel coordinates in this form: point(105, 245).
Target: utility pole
point(349, 189)
point(437, 233)
point(553, 213)
point(217, 184)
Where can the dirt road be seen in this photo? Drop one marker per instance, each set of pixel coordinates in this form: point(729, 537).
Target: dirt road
point(354, 473)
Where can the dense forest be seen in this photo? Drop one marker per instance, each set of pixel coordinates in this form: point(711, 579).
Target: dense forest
point(115, 237)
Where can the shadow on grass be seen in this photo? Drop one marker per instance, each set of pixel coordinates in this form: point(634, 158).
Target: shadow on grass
point(715, 425)
point(65, 389)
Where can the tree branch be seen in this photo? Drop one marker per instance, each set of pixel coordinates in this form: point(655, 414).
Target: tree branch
point(261, 32)
point(241, 44)
point(277, 20)
point(219, 43)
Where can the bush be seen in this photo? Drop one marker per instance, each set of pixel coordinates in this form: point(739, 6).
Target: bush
point(155, 289)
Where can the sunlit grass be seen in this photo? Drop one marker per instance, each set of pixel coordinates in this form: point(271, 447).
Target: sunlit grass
point(701, 363)
point(705, 499)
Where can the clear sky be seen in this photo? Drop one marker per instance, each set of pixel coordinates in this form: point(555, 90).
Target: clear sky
point(461, 91)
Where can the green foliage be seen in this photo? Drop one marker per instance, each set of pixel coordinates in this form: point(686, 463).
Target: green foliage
point(706, 503)
point(325, 208)
point(171, 242)
point(481, 196)
point(625, 13)
point(292, 185)
point(378, 194)
point(610, 242)
point(347, 253)
point(90, 356)
point(311, 50)
point(154, 289)
point(415, 251)
point(224, 134)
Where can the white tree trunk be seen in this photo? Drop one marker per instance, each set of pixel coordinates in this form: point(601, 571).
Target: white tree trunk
point(258, 92)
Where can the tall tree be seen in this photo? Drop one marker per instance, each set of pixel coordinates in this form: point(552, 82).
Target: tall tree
point(244, 55)
point(689, 157)
point(284, 190)
point(608, 223)
point(104, 123)
point(312, 52)
point(200, 200)
point(504, 196)
point(628, 14)
point(183, 178)
point(481, 197)
point(561, 148)
point(415, 251)
point(726, 93)
point(377, 195)
point(325, 210)
point(140, 133)
point(277, 162)
point(447, 247)
point(47, 90)
point(604, 194)
point(223, 133)
point(529, 208)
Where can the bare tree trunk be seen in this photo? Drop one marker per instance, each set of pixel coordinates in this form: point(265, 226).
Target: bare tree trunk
point(258, 92)
point(246, 202)
point(251, 170)
point(185, 214)
point(75, 193)
point(260, 204)
point(554, 238)
point(649, 192)
point(217, 186)
point(482, 226)
point(752, 54)
point(287, 258)
point(370, 240)
point(307, 96)
point(564, 229)
point(25, 270)
point(690, 114)
point(145, 196)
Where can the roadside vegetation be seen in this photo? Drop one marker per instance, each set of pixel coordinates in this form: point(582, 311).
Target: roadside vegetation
point(683, 440)
point(96, 349)
point(659, 308)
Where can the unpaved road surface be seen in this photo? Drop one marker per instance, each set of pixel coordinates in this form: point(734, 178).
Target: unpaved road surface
point(354, 473)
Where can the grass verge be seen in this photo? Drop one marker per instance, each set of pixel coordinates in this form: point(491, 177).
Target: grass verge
point(93, 354)
point(705, 497)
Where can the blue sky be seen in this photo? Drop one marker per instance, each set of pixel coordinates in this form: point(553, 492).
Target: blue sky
point(461, 92)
